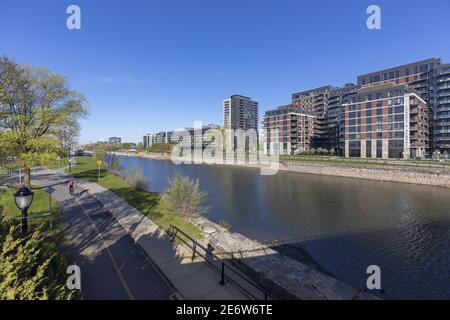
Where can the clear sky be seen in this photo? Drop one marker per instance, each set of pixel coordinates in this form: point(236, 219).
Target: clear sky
point(151, 65)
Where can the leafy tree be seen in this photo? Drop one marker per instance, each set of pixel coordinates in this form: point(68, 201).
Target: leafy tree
point(67, 135)
point(161, 148)
point(139, 147)
point(184, 196)
point(34, 104)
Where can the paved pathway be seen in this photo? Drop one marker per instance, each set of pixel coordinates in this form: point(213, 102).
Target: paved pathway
point(123, 254)
point(112, 265)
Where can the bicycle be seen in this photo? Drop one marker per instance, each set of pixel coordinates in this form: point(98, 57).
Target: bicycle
point(72, 191)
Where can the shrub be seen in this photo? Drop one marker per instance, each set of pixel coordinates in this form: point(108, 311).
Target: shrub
point(184, 196)
point(225, 224)
point(136, 179)
point(30, 267)
point(161, 148)
point(114, 165)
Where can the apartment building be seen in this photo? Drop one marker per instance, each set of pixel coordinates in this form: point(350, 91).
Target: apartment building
point(155, 138)
point(197, 136)
point(288, 129)
point(240, 112)
point(441, 118)
point(431, 80)
point(114, 140)
point(316, 102)
point(386, 121)
point(147, 140)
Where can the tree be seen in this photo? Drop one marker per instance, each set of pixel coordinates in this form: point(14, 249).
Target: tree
point(161, 148)
point(34, 104)
point(139, 147)
point(184, 197)
point(67, 135)
point(332, 152)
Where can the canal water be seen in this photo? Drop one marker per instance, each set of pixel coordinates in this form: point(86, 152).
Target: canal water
point(344, 224)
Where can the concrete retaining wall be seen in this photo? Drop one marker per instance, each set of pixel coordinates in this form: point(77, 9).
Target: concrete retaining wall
point(439, 177)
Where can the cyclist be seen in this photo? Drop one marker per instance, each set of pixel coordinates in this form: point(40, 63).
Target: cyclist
point(71, 186)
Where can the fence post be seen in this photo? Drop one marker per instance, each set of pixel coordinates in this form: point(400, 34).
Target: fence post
point(172, 234)
point(194, 248)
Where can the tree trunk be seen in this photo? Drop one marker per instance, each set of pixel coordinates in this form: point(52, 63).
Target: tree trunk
point(27, 177)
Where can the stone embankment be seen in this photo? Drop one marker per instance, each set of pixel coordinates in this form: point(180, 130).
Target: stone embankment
point(424, 175)
point(282, 276)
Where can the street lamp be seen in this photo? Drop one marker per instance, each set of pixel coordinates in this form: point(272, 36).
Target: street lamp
point(70, 161)
point(24, 198)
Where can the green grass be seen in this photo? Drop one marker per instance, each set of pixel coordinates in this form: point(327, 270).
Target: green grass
point(355, 161)
point(40, 205)
point(149, 203)
point(58, 164)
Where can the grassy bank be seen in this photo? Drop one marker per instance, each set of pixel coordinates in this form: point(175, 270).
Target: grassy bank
point(31, 267)
point(39, 206)
point(356, 161)
point(148, 203)
point(58, 164)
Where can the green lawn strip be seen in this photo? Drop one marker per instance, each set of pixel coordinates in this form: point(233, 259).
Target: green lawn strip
point(58, 164)
point(406, 163)
point(39, 206)
point(147, 202)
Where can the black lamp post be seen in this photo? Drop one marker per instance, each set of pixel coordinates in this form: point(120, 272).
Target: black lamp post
point(24, 198)
point(70, 161)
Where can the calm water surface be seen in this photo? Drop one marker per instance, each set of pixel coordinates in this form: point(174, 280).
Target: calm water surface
point(344, 224)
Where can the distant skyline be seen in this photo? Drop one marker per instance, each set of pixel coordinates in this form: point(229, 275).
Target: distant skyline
point(147, 66)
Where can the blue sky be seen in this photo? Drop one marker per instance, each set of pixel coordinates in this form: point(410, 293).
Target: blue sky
point(150, 65)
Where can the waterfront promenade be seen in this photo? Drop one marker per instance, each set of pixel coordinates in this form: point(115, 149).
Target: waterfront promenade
point(122, 254)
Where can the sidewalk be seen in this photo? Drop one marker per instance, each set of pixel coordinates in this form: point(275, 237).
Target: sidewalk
point(112, 266)
point(193, 279)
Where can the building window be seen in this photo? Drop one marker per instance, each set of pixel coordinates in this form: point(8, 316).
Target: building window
point(379, 149)
point(379, 112)
point(368, 149)
point(355, 149)
point(396, 149)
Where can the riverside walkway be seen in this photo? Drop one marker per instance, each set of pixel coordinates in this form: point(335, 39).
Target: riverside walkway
point(133, 250)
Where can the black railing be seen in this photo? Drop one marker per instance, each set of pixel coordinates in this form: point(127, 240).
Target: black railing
point(228, 273)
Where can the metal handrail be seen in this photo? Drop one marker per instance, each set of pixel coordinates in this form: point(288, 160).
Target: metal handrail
point(175, 232)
